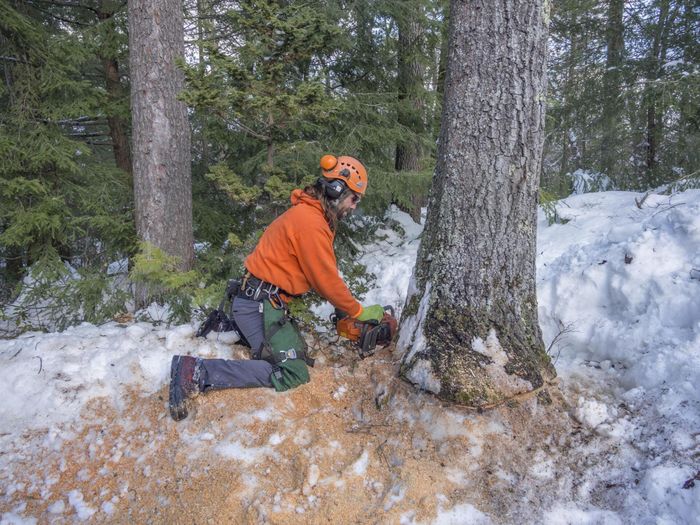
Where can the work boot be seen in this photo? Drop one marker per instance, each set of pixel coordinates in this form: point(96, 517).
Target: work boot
point(184, 384)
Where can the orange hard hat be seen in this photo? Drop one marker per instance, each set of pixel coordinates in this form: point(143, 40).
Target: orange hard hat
point(348, 169)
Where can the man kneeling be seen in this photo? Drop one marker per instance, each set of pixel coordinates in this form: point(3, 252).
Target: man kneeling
point(293, 256)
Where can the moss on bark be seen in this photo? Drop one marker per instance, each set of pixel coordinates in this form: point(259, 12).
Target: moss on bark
point(463, 370)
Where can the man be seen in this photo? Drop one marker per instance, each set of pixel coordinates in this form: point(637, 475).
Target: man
point(293, 256)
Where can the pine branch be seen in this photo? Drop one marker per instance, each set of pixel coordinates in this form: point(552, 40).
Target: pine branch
point(243, 127)
point(13, 59)
point(60, 18)
point(85, 121)
point(65, 4)
point(88, 134)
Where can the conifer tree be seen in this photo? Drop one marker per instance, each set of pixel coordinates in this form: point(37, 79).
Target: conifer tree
point(59, 202)
point(469, 331)
point(612, 111)
point(266, 86)
point(161, 132)
point(623, 80)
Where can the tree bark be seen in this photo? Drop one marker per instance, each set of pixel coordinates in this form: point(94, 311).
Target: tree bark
point(161, 132)
point(118, 126)
point(411, 102)
point(470, 332)
point(411, 105)
point(654, 113)
point(611, 153)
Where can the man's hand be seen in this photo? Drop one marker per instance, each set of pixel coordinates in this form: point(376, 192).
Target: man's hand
point(372, 313)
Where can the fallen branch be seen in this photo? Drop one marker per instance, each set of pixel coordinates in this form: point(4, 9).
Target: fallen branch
point(41, 363)
point(640, 203)
point(690, 483)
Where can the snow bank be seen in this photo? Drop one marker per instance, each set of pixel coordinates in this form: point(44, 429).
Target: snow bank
point(52, 377)
point(622, 283)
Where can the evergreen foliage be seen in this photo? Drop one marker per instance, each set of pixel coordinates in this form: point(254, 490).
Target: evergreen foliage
point(59, 200)
point(624, 92)
point(272, 85)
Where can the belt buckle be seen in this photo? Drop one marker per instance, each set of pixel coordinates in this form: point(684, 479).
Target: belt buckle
point(288, 354)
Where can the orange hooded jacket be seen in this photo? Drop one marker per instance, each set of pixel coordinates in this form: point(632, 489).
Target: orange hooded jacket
point(296, 254)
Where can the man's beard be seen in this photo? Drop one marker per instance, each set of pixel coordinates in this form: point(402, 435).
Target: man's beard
point(340, 214)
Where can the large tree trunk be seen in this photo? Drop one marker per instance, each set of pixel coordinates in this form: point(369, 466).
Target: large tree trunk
point(470, 331)
point(161, 132)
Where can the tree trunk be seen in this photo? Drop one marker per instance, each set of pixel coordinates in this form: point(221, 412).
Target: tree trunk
point(470, 331)
point(570, 158)
point(161, 132)
point(411, 105)
point(611, 153)
point(118, 126)
point(444, 50)
point(654, 113)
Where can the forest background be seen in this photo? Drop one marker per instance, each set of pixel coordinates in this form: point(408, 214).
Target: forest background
point(270, 87)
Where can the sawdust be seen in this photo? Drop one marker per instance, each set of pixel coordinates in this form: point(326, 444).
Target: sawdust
point(355, 445)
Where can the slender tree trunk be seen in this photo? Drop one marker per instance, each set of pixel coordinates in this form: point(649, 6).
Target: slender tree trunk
point(442, 67)
point(270, 144)
point(470, 331)
point(654, 112)
point(118, 126)
point(363, 47)
point(411, 105)
point(569, 158)
point(611, 153)
point(161, 132)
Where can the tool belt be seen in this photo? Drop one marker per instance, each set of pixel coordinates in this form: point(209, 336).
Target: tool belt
point(255, 289)
point(283, 346)
point(280, 327)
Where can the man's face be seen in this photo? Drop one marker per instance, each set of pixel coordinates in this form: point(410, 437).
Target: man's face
point(347, 205)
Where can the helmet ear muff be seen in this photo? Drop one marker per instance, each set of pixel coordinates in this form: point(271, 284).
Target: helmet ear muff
point(332, 188)
point(328, 162)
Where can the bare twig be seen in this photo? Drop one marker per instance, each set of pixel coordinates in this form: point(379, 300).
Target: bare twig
point(563, 331)
point(670, 206)
point(639, 203)
point(41, 363)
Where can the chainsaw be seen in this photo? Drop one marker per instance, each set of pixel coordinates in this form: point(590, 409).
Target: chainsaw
point(366, 334)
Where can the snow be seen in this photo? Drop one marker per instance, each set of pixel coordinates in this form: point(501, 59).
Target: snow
point(586, 181)
point(619, 302)
point(360, 466)
point(461, 514)
point(506, 383)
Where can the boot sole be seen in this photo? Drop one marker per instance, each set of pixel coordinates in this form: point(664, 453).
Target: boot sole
point(176, 396)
